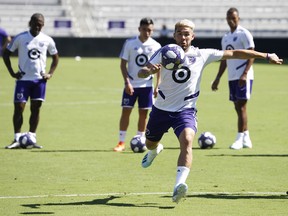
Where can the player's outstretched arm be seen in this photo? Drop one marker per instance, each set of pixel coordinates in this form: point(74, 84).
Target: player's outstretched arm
point(248, 54)
point(148, 70)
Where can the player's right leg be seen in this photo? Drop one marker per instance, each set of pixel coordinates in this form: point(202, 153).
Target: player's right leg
point(158, 124)
point(17, 124)
point(127, 104)
point(19, 106)
point(123, 126)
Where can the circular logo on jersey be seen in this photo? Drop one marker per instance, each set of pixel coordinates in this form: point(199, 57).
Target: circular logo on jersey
point(34, 54)
point(141, 60)
point(229, 47)
point(181, 75)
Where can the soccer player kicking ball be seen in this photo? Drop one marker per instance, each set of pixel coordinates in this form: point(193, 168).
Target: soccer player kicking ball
point(175, 105)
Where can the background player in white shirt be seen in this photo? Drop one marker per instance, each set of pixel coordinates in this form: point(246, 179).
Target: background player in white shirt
point(240, 75)
point(175, 105)
point(135, 53)
point(31, 76)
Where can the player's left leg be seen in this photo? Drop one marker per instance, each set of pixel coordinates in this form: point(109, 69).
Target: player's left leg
point(35, 115)
point(240, 98)
point(37, 97)
point(241, 109)
point(145, 102)
point(185, 129)
point(184, 164)
point(142, 120)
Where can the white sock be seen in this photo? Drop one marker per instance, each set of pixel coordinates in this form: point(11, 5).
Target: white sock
point(122, 136)
point(141, 133)
point(17, 136)
point(246, 133)
point(240, 136)
point(182, 175)
point(32, 134)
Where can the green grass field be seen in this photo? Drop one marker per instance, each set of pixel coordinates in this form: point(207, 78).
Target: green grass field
point(77, 173)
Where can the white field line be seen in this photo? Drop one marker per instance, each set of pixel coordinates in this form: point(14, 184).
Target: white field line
point(148, 193)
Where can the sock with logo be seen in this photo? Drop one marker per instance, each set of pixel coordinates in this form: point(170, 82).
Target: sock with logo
point(182, 174)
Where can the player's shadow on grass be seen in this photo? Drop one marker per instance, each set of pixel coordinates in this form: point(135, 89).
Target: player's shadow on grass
point(238, 196)
point(104, 201)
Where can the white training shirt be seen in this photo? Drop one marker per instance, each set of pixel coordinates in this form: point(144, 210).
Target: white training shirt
point(179, 89)
point(137, 54)
point(241, 38)
point(32, 53)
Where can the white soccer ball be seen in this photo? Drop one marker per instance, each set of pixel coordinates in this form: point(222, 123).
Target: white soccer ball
point(206, 140)
point(27, 141)
point(137, 144)
point(173, 57)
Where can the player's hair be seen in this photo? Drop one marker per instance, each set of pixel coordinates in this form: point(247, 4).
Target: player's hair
point(36, 16)
point(185, 23)
point(146, 21)
point(232, 10)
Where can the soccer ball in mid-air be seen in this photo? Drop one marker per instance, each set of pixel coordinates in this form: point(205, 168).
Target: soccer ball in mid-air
point(137, 144)
point(173, 57)
point(27, 141)
point(206, 140)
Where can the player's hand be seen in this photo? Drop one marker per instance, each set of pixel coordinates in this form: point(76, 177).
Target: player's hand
point(18, 75)
point(274, 59)
point(214, 85)
point(129, 89)
point(46, 76)
point(155, 92)
point(155, 68)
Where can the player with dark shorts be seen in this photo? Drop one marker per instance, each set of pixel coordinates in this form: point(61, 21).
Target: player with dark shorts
point(176, 104)
point(135, 53)
point(240, 75)
point(31, 77)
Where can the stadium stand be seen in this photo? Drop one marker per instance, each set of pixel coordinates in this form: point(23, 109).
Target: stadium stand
point(15, 15)
point(114, 18)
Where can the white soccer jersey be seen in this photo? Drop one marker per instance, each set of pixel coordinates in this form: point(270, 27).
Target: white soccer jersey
point(137, 54)
point(32, 53)
point(241, 38)
point(179, 89)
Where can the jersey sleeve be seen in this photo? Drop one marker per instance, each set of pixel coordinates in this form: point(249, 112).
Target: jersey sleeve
point(52, 47)
point(124, 54)
point(211, 55)
point(247, 40)
point(14, 44)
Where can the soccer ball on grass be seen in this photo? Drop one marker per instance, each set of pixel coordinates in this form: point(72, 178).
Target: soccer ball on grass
point(172, 57)
point(27, 141)
point(206, 140)
point(137, 144)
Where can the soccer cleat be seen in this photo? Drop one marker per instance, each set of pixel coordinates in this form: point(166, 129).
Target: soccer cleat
point(120, 147)
point(37, 146)
point(150, 156)
point(14, 145)
point(237, 145)
point(247, 143)
point(179, 192)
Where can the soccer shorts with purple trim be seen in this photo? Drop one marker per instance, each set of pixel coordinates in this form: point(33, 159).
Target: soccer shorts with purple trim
point(33, 89)
point(160, 121)
point(240, 93)
point(143, 95)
